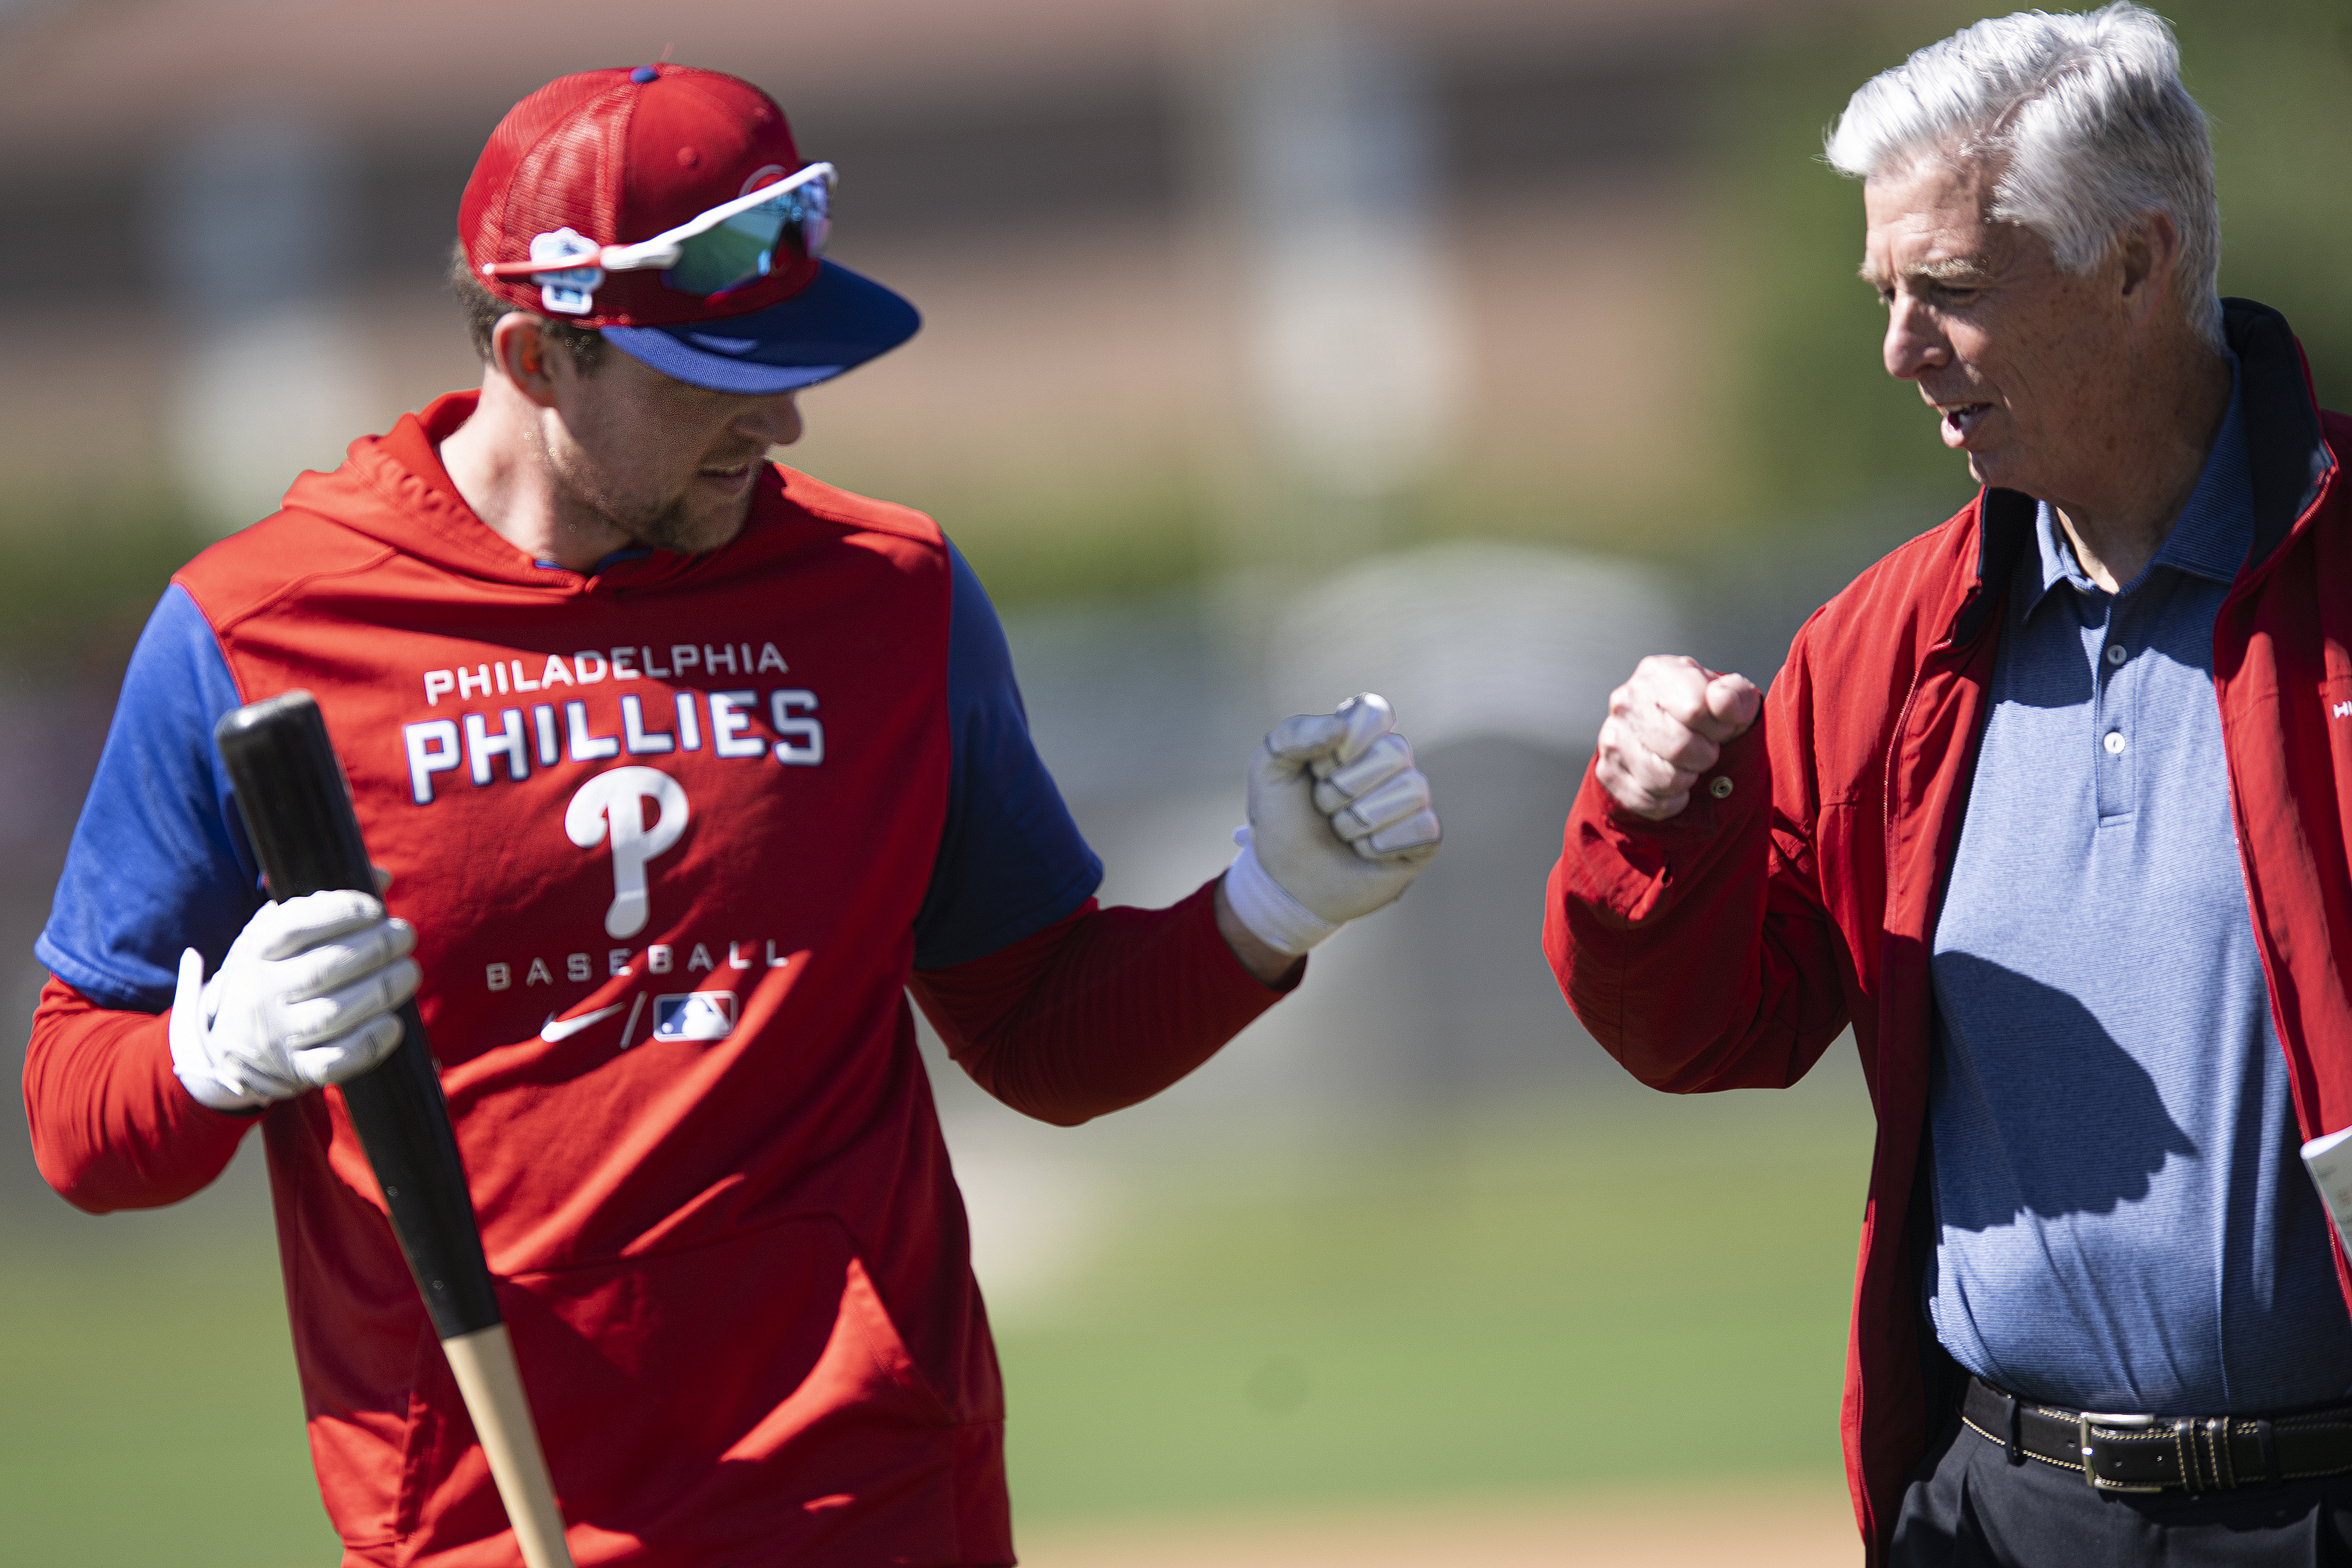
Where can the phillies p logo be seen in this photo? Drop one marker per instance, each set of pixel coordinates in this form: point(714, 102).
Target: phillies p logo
point(611, 806)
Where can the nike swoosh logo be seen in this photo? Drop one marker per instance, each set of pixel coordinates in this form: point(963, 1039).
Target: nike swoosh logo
point(551, 1031)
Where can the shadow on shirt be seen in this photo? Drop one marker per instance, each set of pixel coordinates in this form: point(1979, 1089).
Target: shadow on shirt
point(2060, 674)
point(2037, 1110)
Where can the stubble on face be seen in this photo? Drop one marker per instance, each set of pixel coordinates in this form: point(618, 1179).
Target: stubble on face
point(663, 464)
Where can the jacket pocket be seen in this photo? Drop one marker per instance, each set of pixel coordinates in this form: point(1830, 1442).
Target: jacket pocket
point(421, 1457)
point(747, 1389)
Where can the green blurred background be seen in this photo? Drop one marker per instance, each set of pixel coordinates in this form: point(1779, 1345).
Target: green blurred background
point(1431, 1247)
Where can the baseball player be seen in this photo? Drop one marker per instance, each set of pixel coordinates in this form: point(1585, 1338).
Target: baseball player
point(682, 768)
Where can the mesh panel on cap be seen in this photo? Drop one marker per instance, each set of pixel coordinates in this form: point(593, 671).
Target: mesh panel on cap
point(490, 224)
point(567, 180)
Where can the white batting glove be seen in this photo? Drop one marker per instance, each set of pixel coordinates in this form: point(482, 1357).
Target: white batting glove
point(303, 999)
point(1341, 823)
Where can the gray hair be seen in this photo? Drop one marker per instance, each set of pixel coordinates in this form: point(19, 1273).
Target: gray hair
point(2089, 112)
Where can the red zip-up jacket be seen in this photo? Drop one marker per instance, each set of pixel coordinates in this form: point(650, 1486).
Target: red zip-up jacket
point(1728, 947)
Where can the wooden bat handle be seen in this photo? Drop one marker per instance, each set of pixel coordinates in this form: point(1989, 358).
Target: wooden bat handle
point(297, 815)
point(484, 1361)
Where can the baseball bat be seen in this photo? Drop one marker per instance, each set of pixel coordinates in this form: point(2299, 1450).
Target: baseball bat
point(297, 808)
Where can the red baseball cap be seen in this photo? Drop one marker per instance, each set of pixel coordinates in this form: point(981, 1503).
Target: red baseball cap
point(616, 156)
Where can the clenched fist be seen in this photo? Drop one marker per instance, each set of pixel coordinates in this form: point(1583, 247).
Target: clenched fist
point(1340, 825)
point(1666, 727)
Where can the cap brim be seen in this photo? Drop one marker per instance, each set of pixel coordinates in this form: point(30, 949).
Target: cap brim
point(839, 321)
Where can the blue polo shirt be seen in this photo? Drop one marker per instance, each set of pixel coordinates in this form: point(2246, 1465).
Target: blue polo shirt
point(2122, 1222)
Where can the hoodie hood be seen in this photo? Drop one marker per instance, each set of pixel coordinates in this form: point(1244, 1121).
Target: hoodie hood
point(394, 489)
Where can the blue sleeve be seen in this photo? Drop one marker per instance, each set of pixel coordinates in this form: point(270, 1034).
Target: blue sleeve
point(159, 859)
point(1011, 860)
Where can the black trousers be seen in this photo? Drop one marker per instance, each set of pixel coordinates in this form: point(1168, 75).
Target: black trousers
point(1969, 1507)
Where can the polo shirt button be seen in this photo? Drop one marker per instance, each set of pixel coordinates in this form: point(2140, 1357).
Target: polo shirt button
point(2115, 742)
point(2116, 653)
point(1718, 786)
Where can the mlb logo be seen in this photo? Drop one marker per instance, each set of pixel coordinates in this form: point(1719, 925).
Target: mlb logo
point(695, 1016)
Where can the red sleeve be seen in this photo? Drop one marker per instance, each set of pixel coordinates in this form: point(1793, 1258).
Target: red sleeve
point(1697, 950)
point(112, 1126)
point(1099, 1010)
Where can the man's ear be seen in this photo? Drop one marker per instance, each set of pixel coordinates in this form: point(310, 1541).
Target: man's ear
point(521, 353)
point(2148, 250)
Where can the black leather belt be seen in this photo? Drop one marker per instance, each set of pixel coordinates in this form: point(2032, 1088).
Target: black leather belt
point(2162, 1453)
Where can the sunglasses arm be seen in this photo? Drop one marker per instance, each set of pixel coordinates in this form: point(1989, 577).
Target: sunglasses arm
point(610, 259)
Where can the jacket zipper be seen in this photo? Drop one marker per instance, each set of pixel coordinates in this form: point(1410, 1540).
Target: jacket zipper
point(2240, 593)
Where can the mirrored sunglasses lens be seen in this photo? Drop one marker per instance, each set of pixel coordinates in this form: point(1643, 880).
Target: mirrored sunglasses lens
point(733, 253)
point(743, 249)
point(815, 216)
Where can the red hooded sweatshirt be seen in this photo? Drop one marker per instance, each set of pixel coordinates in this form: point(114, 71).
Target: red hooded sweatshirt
point(668, 834)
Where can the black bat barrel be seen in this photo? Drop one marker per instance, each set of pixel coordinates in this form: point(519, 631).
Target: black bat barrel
point(297, 812)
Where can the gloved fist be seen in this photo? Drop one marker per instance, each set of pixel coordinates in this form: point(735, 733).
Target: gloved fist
point(303, 999)
point(1340, 825)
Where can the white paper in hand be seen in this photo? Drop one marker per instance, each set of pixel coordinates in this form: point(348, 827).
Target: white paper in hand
point(2329, 1161)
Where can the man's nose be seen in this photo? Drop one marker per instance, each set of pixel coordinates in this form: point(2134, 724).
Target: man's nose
point(771, 421)
point(1914, 343)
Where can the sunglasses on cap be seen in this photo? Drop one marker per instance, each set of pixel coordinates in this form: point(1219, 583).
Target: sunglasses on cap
point(730, 245)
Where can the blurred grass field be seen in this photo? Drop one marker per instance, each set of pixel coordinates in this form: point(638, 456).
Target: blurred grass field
point(1517, 1302)
point(1521, 1301)
point(148, 1408)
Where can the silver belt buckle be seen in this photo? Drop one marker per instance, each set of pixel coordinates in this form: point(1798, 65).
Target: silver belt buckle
point(2087, 1419)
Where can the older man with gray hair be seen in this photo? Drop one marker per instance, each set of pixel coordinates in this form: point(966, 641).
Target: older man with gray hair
point(2053, 807)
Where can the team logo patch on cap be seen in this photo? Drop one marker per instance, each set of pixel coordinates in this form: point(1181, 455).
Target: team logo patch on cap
point(573, 291)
